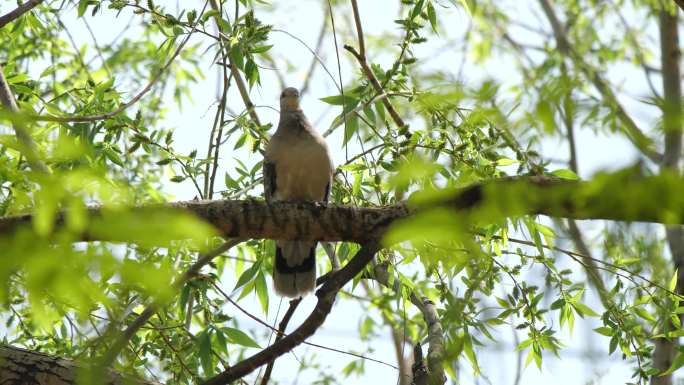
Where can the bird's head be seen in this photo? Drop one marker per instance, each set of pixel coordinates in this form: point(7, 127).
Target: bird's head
point(289, 99)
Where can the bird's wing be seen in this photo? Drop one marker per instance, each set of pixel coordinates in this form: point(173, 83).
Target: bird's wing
point(269, 171)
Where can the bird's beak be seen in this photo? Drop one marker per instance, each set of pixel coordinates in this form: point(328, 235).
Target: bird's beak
point(291, 103)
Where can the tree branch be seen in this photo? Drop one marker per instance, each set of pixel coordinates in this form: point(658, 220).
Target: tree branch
point(282, 326)
point(433, 373)
point(239, 81)
point(18, 12)
point(326, 297)
point(680, 3)
point(403, 129)
point(20, 366)
point(487, 201)
point(634, 133)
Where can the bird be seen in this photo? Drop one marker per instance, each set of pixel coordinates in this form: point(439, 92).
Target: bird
point(297, 167)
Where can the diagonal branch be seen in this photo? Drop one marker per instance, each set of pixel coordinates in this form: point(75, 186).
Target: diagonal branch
point(680, 3)
point(378, 88)
point(282, 326)
point(326, 297)
point(632, 130)
point(433, 373)
point(18, 12)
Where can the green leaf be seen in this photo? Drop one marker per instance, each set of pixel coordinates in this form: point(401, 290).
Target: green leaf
point(673, 281)
point(261, 48)
point(239, 337)
point(583, 310)
point(247, 276)
point(339, 100)
point(677, 363)
point(506, 162)
point(204, 342)
point(565, 174)
point(82, 6)
point(604, 330)
point(432, 16)
point(262, 292)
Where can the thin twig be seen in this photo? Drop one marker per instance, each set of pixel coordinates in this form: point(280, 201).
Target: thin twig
point(315, 55)
point(359, 29)
point(315, 58)
point(282, 326)
point(97, 48)
point(283, 334)
point(378, 88)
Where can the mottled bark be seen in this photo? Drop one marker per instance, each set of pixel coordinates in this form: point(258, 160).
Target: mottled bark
point(23, 367)
point(508, 197)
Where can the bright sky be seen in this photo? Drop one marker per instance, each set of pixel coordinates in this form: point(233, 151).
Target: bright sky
point(585, 358)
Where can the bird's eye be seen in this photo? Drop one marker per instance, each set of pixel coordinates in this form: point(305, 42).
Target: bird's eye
point(282, 95)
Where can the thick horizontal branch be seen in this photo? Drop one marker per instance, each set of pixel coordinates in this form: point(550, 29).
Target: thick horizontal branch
point(19, 366)
point(620, 197)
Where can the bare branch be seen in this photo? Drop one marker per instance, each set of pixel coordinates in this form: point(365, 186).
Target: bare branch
point(680, 3)
point(316, 55)
point(359, 29)
point(281, 328)
point(18, 12)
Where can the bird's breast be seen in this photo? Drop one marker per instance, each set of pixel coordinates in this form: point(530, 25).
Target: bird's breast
point(303, 171)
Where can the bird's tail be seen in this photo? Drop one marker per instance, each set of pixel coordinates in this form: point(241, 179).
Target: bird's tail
point(294, 270)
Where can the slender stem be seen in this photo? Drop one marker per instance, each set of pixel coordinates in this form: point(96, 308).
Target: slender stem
point(359, 29)
point(282, 326)
point(315, 58)
point(378, 88)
